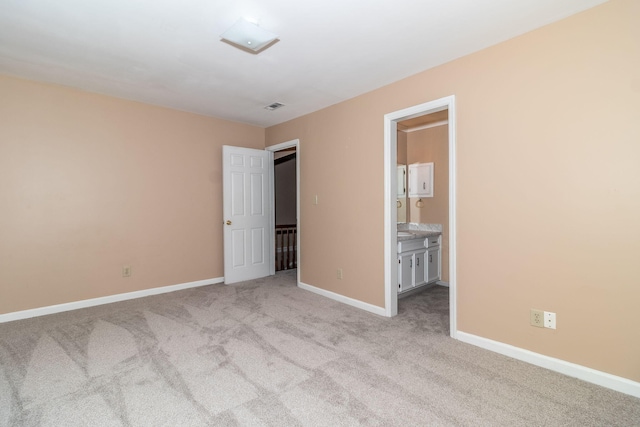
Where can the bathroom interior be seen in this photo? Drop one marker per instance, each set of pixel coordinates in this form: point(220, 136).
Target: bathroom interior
point(423, 203)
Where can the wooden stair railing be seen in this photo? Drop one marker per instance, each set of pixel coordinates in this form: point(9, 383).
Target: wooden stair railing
point(286, 247)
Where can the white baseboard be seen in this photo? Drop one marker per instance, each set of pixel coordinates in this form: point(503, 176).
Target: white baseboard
point(441, 283)
point(613, 382)
point(51, 309)
point(345, 300)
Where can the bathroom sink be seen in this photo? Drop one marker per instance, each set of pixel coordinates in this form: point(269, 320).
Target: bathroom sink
point(404, 234)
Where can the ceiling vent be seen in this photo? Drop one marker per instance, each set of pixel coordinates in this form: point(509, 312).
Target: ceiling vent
point(274, 106)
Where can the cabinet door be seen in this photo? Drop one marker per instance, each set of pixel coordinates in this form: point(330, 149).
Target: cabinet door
point(419, 277)
point(433, 264)
point(405, 272)
point(402, 181)
point(421, 180)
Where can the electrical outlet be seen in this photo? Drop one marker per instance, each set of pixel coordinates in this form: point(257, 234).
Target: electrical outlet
point(537, 318)
point(315, 199)
point(126, 271)
point(549, 320)
point(339, 273)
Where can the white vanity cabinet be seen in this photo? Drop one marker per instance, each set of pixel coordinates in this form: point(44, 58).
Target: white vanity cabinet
point(405, 272)
point(412, 255)
point(433, 259)
point(418, 262)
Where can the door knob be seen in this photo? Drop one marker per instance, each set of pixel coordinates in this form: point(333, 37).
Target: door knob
point(228, 222)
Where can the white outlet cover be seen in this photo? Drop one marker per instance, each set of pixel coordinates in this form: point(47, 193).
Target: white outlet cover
point(549, 320)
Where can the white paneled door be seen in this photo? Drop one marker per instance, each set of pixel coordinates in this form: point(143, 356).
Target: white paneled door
point(246, 177)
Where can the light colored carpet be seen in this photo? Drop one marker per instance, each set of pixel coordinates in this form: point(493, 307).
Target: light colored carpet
point(265, 353)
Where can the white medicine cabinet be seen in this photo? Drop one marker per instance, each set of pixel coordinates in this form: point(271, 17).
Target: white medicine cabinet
point(421, 180)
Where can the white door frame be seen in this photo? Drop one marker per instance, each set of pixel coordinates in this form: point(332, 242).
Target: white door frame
point(273, 148)
point(390, 210)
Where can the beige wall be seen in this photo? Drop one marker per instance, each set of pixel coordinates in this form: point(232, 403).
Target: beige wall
point(548, 187)
point(345, 229)
point(424, 146)
point(90, 183)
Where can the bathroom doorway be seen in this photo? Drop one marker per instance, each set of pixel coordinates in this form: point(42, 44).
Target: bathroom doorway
point(423, 115)
point(420, 140)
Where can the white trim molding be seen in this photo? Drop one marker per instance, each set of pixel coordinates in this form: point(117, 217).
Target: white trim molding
point(58, 308)
point(281, 146)
point(613, 382)
point(345, 300)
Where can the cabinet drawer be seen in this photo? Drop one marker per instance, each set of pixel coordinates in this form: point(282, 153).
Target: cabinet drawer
point(411, 245)
point(432, 241)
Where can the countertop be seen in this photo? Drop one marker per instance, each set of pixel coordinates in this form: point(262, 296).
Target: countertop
point(418, 234)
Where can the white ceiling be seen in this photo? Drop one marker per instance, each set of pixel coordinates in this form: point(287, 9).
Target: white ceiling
point(169, 53)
